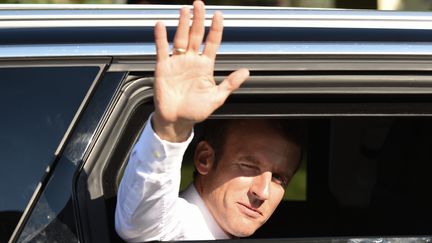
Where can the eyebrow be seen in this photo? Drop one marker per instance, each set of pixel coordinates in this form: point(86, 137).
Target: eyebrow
point(287, 172)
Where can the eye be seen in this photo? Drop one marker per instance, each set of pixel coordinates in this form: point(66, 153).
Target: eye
point(281, 180)
point(249, 168)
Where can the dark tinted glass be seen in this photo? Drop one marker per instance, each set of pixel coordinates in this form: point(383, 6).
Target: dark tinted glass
point(37, 106)
point(52, 218)
point(367, 177)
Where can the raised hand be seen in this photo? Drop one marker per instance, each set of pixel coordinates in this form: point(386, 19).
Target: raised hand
point(185, 89)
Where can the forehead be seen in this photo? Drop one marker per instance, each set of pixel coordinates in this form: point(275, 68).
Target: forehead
point(261, 140)
point(259, 129)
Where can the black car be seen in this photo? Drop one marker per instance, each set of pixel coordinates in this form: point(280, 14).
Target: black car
point(76, 89)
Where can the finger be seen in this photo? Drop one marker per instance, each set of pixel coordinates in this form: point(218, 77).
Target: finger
point(197, 30)
point(231, 83)
point(181, 37)
point(214, 36)
point(162, 47)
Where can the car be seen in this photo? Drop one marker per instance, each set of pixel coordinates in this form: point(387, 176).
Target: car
point(77, 90)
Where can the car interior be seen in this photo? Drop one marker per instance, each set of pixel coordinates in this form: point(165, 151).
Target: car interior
point(367, 163)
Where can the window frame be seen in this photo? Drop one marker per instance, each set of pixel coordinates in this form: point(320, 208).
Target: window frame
point(138, 90)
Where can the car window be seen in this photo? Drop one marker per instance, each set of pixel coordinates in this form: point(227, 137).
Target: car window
point(37, 106)
point(366, 171)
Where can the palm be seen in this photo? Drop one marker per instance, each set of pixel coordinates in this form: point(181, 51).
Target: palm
point(185, 90)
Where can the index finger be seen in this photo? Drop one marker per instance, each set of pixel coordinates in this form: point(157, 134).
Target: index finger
point(162, 46)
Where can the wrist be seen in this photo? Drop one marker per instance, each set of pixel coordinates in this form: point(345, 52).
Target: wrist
point(171, 131)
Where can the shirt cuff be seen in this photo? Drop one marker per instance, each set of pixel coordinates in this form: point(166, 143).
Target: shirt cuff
point(150, 147)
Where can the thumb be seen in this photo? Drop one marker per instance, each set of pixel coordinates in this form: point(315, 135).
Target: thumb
point(231, 83)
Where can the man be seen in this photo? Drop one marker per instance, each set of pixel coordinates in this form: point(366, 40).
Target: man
point(240, 178)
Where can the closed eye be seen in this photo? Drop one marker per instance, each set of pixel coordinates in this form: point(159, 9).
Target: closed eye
point(249, 168)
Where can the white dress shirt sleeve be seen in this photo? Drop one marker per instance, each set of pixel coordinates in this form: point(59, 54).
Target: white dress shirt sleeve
point(148, 200)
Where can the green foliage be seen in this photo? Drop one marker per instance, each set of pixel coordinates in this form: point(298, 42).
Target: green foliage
point(296, 190)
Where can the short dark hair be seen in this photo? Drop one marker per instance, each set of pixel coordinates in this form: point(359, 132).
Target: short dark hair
point(215, 132)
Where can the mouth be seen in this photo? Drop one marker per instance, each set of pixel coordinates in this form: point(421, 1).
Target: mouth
point(249, 211)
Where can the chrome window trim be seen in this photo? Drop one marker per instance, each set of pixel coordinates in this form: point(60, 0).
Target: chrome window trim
point(10, 62)
point(287, 63)
point(299, 57)
point(256, 56)
point(14, 16)
point(112, 21)
point(341, 84)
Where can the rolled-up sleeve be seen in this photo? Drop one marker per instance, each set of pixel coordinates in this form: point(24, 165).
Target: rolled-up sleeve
point(148, 196)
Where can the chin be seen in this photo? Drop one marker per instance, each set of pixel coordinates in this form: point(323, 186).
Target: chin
point(245, 231)
point(242, 234)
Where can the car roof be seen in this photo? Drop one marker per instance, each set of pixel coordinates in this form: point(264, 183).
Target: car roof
point(31, 15)
point(281, 35)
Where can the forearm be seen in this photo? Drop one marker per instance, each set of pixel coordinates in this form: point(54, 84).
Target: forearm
point(150, 187)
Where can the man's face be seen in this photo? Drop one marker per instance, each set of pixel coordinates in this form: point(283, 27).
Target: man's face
point(249, 181)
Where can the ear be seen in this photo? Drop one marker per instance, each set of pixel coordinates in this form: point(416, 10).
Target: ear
point(204, 157)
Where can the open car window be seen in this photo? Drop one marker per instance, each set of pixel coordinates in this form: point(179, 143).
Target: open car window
point(365, 166)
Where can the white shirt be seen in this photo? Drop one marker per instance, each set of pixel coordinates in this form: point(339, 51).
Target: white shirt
point(148, 204)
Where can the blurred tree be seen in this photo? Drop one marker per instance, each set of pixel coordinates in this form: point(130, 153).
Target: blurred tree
point(416, 5)
point(389, 4)
point(307, 3)
point(210, 2)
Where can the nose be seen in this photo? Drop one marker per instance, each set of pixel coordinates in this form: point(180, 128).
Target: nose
point(260, 187)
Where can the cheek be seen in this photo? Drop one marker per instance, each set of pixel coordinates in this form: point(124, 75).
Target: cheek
point(237, 188)
point(241, 183)
point(277, 194)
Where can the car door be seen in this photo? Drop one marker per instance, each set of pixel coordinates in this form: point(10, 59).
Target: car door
point(354, 84)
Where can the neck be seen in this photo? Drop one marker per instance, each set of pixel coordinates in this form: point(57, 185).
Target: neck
point(200, 189)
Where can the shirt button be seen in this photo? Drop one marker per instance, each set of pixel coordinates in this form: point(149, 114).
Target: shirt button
point(156, 154)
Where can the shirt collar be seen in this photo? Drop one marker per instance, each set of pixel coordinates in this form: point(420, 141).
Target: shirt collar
point(192, 196)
